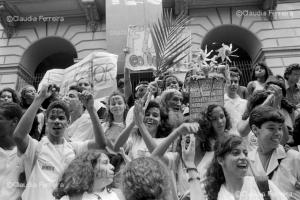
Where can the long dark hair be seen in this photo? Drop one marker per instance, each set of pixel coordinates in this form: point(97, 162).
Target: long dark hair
point(208, 114)
point(79, 176)
point(258, 97)
point(215, 175)
point(110, 116)
point(268, 71)
point(14, 94)
point(23, 102)
point(164, 128)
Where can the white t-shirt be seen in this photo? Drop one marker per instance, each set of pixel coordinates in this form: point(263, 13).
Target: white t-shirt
point(285, 172)
point(137, 148)
point(105, 195)
point(235, 108)
point(51, 162)
point(250, 191)
point(81, 129)
point(11, 165)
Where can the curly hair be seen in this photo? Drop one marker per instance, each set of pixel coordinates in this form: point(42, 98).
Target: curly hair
point(110, 116)
point(146, 178)
point(78, 177)
point(164, 128)
point(14, 94)
point(11, 110)
point(210, 131)
point(268, 71)
point(258, 97)
point(23, 102)
point(289, 70)
point(165, 97)
point(58, 104)
point(215, 175)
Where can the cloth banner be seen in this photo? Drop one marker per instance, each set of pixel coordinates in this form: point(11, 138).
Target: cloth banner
point(100, 68)
point(141, 50)
point(142, 55)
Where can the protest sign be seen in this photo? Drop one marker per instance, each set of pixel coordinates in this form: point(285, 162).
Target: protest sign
point(142, 55)
point(141, 51)
point(99, 68)
point(204, 92)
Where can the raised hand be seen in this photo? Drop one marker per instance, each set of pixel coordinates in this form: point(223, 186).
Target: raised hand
point(188, 128)
point(153, 87)
point(126, 158)
point(87, 99)
point(188, 150)
point(139, 112)
point(45, 92)
point(269, 100)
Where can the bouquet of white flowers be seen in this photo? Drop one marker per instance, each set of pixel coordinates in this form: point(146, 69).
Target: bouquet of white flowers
point(207, 82)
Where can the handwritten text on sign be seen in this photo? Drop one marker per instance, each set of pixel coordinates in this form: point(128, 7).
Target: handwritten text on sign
point(99, 68)
point(204, 92)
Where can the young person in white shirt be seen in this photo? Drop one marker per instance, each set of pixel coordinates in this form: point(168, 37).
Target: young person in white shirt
point(226, 176)
point(46, 160)
point(233, 103)
point(270, 158)
point(80, 128)
point(11, 165)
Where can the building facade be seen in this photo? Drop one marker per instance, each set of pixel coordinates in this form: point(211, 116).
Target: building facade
point(39, 35)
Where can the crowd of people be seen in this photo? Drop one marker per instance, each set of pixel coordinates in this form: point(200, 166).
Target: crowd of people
point(143, 145)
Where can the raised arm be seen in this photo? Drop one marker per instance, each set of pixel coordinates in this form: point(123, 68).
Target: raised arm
point(243, 127)
point(24, 126)
point(183, 129)
point(88, 101)
point(188, 156)
point(127, 84)
point(123, 137)
point(139, 117)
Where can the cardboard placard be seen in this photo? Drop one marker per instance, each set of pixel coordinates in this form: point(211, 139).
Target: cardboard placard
point(100, 68)
point(204, 92)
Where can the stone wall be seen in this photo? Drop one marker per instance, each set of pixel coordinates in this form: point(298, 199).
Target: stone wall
point(73, 30)
point(280, 38)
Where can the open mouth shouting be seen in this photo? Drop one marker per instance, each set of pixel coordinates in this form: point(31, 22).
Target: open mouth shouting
point(150, 122)
point(242, 165)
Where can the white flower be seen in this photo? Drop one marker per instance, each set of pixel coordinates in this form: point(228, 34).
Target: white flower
point(226, 51)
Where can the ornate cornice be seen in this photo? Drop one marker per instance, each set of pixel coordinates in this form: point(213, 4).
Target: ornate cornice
point(269, 6)
point(277, 52)
point(91, 14)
